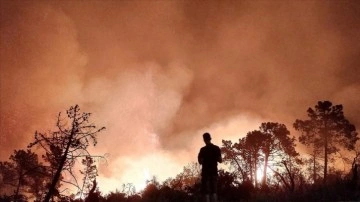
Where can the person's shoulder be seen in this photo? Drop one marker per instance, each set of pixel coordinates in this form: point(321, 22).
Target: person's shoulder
point(216, 147)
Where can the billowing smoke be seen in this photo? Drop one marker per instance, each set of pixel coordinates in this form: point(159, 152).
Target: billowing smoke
point(158, 74)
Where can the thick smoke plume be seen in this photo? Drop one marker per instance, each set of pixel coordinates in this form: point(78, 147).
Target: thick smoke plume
point(158, 74)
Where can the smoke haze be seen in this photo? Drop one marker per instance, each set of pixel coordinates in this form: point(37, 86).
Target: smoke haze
point(158, 74)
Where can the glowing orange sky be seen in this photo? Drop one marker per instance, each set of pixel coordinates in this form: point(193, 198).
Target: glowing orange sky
point(158, 74)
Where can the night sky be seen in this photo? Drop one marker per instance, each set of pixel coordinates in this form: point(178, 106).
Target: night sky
point(157, 74)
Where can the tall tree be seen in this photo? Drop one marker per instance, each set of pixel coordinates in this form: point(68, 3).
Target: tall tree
point(245, 155)
point(23, 171)
point(314, 166)
point(272, 142)
point(70, 141)
point(255, 141)
point(7, 175)
point(90, 172)
point(327, 128)
point(277, 144)
point(242, 155)
point(290, 172)
point(235, 155)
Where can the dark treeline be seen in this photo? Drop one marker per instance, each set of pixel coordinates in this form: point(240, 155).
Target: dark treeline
point(263, 165)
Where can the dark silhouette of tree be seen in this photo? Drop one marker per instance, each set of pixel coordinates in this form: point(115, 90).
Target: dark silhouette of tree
point(6, 198)
point(288, 171)
point(277, 145)
point(166, 193)
point(116, 196)
point(134, 198)
point(272, 142)
point(236, 156)
point(151, 191)
point(90, 172)
point(8, 175)
point(255, 141)
point(314, 167)
point(94, 194)
point(23, 171)
point(327, 128)
point(229, 189)
point(245, 154)
point(154, 191)
point(187, 178)
point(70, 141)
point(355, 170)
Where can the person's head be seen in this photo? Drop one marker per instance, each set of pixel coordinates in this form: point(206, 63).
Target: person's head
point(207, 138)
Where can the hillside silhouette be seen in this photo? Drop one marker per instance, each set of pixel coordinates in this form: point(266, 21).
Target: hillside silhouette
point(263, 165)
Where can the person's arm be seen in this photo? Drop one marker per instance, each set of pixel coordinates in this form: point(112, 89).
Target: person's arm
point(200, 157)
point(219, 159)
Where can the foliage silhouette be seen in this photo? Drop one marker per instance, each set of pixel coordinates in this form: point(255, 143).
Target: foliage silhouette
point(289, 177)
point(90, 172)
point(187, 178)
point(277, 145)
point(70, 141)
point(23, 171)
point(327, 128)
point(272, 142)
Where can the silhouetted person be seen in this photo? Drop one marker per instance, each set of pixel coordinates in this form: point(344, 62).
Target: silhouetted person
point(208, 157)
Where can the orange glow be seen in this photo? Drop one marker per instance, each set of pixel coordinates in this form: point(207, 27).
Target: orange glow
point(259, 174)
point(157, 74)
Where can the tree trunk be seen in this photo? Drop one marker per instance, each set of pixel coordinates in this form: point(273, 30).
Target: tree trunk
point(265, 168)
point(240, 169)
point(82, 188)
point(291, 177)
point(255, 173)
point(282, 178)
point(62, 163)
point(354, 178)
point(314, 168)
point(251, 171)
point(326, 158)
point(18, 189)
